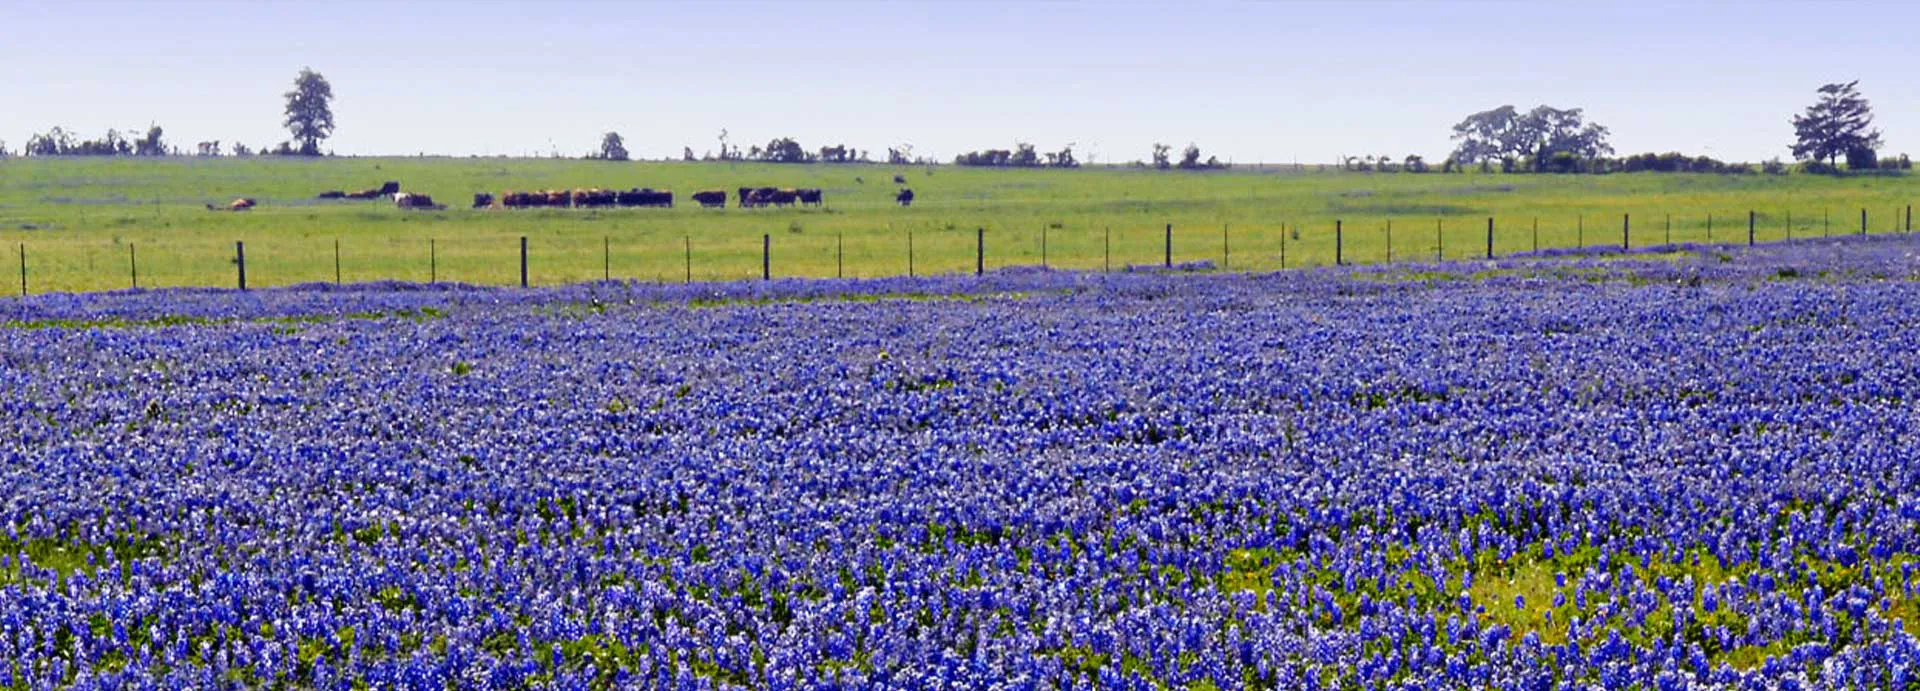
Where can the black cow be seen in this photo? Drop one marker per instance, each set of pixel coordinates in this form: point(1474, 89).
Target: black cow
point(899, 179)
point(746, 197)
point(809, 197)
point(905, 197)
point(482, 200)
point(389, 189)
point(332, 194)
point(711, 198)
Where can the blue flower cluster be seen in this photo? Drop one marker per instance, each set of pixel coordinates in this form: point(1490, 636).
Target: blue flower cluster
point(1696, 468)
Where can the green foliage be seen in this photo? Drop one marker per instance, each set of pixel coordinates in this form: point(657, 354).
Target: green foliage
point(1839, 123)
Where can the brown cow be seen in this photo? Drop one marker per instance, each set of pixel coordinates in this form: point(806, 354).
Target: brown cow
point(711, 198)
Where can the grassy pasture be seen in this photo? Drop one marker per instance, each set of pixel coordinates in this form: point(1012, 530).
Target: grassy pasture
point(79, 217)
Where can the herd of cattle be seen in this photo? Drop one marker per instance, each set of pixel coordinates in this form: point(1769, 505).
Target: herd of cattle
point(749, 198)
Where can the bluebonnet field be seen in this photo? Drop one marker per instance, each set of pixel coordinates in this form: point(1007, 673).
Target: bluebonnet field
point(1696, 467)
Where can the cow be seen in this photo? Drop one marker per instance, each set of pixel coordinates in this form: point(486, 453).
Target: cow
point(809, 197)
point(746, 197)
point(364, 194)
point(482, 200)
point(241, 204)
point(766, 196)
point(646, 197)
point(711, 199)
point(332, 194)
point(594, 198)
point(558, 198)
point(905, 197)
point(899, 179)
point(405, 200)
point(389, 188)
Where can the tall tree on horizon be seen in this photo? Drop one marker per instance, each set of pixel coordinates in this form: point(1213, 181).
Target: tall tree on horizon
point(1836, 124)
point(310, 111)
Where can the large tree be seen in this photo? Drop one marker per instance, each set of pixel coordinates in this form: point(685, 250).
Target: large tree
point(613, 147)
point(1839, 122)
point(1506, 135)
point(310, 111)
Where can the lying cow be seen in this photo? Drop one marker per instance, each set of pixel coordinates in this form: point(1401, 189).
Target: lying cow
point(406, 200)
point(332, 194)
point(711, 199)
point(241, 204)
point(905, 197)
point(482, 200)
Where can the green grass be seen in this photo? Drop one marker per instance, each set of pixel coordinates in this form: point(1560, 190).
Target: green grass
point(80, 218)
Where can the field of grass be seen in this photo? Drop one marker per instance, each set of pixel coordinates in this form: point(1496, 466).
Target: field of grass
point(85, 222)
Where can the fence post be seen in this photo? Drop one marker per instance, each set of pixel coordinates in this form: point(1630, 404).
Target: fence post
point(606, 258)
point(336, 261)
point(1863, 220)
point(1669, 229)
point(23, 269)
point(1626, 231)
point(766, 257)
point(1749, 228)
point(433, 262)
point(1580, 231)
point(909, 253)
point(133, 265)
point(1389, 241)
point(687, 244)
point(1338, 241)
point(1909, 218)
point(1789, 225)
point(1489, 237)
point(1107, 253)
point(1043, 245)
point(523, 261)
point(1169, 255)
point(1226, 246)
point(839, 255)
point(240, 258)
point(1709, 227)
point(979, 250)
point(1283, 245)
point(1439, 240)
point(1536, 235)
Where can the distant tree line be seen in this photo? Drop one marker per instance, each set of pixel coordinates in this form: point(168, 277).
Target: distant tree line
point(1189, 159)
point(1022, 155)
point(60, 142)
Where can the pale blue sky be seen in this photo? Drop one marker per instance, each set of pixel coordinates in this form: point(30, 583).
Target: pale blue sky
point(1278, 81)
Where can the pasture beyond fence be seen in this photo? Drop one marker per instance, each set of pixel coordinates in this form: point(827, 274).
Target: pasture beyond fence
point(983, 249)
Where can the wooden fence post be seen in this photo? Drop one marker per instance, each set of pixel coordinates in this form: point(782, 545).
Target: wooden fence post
point(1107, 253)
point(1226, 246)
point(1389, 241)
point(133, 265)
point(1489, 237)
point(336, 261)
point(1043, 245)
point(606, 258)
point(1863, 220)
point(1536, 235)
point(1439, 240)
point(766, 257)
point(23, 269)
point(1338, 241)
point(686, 243)
point(523, 261)
point(839, 255)
point(433, 262)
point(1169, 254)
point(1626, 231)
point(909, 253)
point(240, 259)
point(979, 251)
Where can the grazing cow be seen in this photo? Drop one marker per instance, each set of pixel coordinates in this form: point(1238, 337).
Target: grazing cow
point(769, 196)
point(558, 198)
point(482, 200)
point(646, 197)
point(594, 198)
point(809, 197)
point(390, 188)
point(332, 194)
point(746, 197)
point(905, 197)
point(899, 179)
point(711, 198)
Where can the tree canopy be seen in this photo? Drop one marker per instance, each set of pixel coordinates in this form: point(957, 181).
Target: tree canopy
point(613, 147)
point(310, 111)
point(1839, 124)
point(1542, 138)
